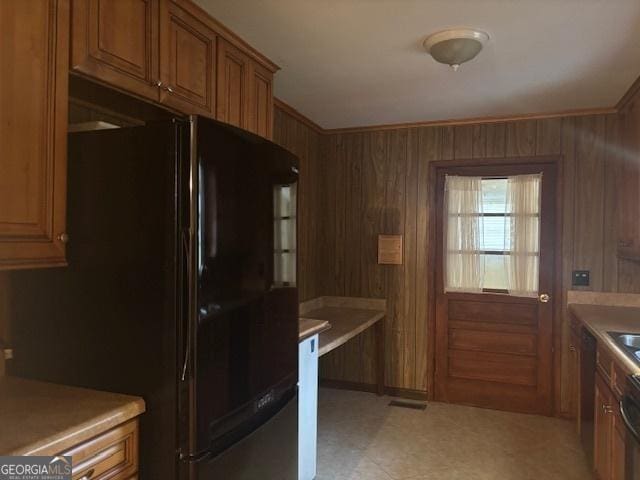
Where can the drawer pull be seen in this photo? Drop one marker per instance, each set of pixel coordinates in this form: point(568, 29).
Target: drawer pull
point(88, 475)
point(95, 460)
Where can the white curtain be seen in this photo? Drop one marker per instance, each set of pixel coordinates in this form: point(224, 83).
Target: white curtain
point(464, 269)
point(523, 206)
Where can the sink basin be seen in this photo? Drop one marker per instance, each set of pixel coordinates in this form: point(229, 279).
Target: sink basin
point(628, 340)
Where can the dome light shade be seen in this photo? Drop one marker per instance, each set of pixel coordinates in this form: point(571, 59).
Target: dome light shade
point(456, 46)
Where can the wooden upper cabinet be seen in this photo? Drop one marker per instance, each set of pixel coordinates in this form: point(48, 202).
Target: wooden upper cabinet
point(187, 60)
point(33, 132)
point(116, 42)
point(233, 76)
point(260, 115)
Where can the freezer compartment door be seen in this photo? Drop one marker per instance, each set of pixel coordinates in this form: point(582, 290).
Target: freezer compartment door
point(270, 452)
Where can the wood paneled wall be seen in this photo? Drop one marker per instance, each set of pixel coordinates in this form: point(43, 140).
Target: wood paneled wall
point(375, 182)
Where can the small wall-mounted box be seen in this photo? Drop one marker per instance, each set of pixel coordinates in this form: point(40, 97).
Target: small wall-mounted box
point(580, 278)
point(390, 249)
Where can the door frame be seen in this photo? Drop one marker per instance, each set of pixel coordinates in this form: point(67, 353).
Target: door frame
point(556, 330)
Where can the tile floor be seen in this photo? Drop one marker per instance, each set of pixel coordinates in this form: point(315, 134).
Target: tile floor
point(360, 437)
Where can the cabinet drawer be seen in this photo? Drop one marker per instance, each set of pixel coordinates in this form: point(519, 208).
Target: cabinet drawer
point(604, 363)
point(110, 456)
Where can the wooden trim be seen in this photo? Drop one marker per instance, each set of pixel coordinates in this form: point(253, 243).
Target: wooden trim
point(288, 109)
point(629, 94)
point(373, 388)
point(228, 34)
point(484, 162)
point(476, 120)
point(278, 103)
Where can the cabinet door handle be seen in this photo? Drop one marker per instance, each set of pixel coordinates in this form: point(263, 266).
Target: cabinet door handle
point(168, 89)
point(88, 475)
point(63, 237)
point(606, 408)
point(572, 348)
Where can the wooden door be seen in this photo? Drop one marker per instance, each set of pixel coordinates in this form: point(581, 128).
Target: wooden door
point(116, 42)
point(232, 85)
point(260, 101)
point(493, 349)
point(34, 42)
point(187, 58)
point(603, 430)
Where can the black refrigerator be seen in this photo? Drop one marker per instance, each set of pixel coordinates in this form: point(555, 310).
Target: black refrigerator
point(180, 288)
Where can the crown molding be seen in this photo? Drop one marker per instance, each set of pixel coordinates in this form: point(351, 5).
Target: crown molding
point(285, 107)
point(475, 120)
point(624, 100)
point(634, 89)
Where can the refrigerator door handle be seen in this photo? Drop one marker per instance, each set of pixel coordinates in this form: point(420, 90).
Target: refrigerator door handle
point(187, 347)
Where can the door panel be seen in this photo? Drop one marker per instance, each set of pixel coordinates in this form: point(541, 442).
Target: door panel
point(232, 85)
point(188, 50)
point(603, 430)
point(493, 349)
point(492, 367)
point(497, 342)
point(261, 101)
point(33, 132)
point(117, 42)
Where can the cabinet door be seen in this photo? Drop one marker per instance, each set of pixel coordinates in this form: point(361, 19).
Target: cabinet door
point(187, 61)
point(260, 101)
point(618, 447)
point(34, 43)
point(233, 77)
point(117, 42)
point(574, 376)
point(603, 427)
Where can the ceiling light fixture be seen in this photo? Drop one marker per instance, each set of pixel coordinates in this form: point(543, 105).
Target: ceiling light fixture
point(455, 46)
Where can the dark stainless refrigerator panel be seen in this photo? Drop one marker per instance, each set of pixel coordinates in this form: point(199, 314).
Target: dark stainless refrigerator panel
point(245, 323)
point(270, 452)
point(108, 320)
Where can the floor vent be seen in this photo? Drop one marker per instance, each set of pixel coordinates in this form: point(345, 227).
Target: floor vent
point(406, 404)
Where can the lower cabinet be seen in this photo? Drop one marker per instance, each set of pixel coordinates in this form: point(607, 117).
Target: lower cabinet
point(307, 408)
point(109, 456)
point(609, 446)
point(573, 406)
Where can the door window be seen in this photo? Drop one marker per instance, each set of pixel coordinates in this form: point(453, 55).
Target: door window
point(492, 234)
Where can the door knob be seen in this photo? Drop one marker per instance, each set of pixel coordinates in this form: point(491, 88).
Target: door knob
point(63, 237)
point(544, 298)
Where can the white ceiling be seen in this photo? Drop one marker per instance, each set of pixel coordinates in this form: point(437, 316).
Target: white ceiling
point(360, 62)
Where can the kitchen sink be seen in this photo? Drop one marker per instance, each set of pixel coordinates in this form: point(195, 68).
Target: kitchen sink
point(629, 342)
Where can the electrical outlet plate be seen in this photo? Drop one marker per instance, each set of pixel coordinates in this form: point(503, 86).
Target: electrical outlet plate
point(580, 278)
